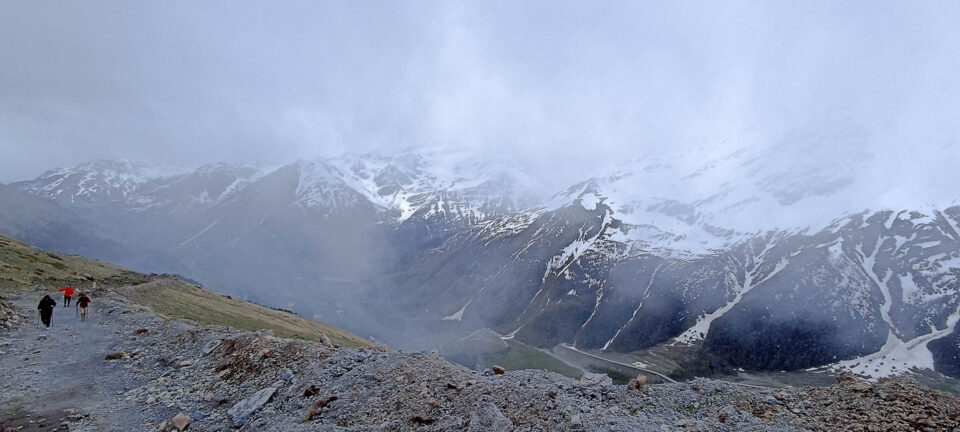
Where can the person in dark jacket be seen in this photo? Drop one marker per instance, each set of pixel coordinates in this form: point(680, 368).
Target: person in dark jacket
point(45, 308)
point(82, 303)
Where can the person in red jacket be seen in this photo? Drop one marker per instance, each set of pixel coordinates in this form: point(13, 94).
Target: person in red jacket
point(67, 295)
point(82, 302)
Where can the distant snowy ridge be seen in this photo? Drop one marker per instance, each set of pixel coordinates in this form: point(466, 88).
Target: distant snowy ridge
point(723, 254)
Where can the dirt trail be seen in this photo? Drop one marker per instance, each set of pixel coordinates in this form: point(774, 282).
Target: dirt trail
point(48, 376)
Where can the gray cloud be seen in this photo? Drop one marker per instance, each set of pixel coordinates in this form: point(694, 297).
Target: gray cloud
point(556, 84)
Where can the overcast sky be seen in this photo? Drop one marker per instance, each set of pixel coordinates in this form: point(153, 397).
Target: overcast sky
point(553, 83)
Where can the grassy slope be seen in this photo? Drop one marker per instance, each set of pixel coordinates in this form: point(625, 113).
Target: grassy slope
point(172, 298)
point(520, 356)
point(22, 266)
point(484, 348)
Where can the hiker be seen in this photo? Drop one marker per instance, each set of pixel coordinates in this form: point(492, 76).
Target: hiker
point(67, 295)
point(45, 308)
point(82, 302)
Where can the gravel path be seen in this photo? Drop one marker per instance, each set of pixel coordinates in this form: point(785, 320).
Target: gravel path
point(52, 377)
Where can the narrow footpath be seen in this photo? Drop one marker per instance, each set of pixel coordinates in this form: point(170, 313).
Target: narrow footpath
point(51, 378)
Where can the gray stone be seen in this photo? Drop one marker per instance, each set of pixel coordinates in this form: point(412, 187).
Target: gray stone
point(489, 419)
point(576, 422)
point(594, 379)
point(181, 422)
point(242, 411)
point(210, 346)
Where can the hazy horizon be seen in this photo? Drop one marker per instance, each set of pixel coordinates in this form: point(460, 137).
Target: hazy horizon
point(565, 89)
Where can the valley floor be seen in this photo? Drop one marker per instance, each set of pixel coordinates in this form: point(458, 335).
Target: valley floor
point(225, 379)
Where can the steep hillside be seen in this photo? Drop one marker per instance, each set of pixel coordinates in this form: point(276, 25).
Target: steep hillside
point(24, 267)
point(170, 298)
point(874, 282)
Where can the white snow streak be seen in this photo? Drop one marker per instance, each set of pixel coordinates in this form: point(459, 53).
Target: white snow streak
point(199, 233)
point(896, 356)
point(458, 315)
point(699, 330)
point(646, 292)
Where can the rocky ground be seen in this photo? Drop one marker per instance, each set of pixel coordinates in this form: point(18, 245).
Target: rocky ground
point(127, 370)
point(8, 315)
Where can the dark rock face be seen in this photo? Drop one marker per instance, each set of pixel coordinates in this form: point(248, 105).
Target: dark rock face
point(794, 300)
point(946, 353)
point(799, 318)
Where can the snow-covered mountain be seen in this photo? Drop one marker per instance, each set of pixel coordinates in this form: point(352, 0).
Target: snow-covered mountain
point(139, 186)
point(335, 220)
point(764, 259)
point(426, 183)
point(695, 202)
point(433, 183)
point(780, 300)
point(104, 181)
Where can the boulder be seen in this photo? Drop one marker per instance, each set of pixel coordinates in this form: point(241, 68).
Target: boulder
point(576, 422)
point(594, 379)
point(498, 370)
point(181, 422)
point(242, 411)
point(489, 419)
point(317, 406)
point(210, 346)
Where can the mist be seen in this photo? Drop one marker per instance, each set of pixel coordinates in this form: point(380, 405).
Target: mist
point(734, 185)
point(566, 89)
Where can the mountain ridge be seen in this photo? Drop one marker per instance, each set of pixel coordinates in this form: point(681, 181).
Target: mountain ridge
point(602, 265)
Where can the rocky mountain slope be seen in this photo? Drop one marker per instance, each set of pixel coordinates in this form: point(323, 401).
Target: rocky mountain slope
point(876, 280)
point(125, 368)
point(758, 259)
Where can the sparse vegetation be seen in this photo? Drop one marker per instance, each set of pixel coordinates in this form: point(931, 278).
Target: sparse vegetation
point(174, 299)
point(23, 266)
